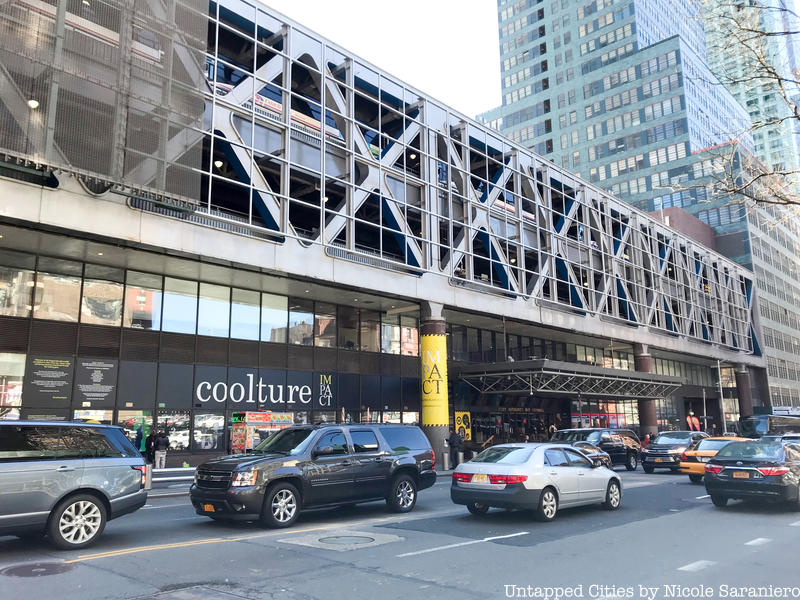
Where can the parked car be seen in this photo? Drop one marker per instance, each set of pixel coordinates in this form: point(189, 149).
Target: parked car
point(543, 477)
point(693, 460)
point(665, 451)
point(66, 480)
point(755, 470)
point(313, 467)
point(592, 452)
point(622, 445)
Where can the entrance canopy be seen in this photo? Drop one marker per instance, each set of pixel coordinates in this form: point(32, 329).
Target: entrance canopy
point(556, 377)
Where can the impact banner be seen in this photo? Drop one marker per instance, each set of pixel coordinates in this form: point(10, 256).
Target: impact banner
point(433, 351)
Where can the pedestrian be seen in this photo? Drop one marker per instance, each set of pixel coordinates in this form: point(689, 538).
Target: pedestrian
point(552, 430)
point(160, 446)
point(148, 446)
point(646, 440)
point(454, 441)
point(526, 438)
point(137, 442)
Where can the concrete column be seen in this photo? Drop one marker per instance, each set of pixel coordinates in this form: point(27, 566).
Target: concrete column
point(643, 362)
point(433, 358)
point(743, 391)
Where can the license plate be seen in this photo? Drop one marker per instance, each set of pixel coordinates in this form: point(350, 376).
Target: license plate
point(741, 475)
point(659, 460)
point(480, 478)
point(208, 507)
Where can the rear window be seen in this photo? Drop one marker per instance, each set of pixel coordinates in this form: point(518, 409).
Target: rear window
point(403, 439)
point(752, 451)
point(575, 436)
point(712, 444)
point(507, 455)
point(673, 438)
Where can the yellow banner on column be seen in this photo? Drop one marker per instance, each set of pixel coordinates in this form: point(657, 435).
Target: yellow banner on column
point(433, 352)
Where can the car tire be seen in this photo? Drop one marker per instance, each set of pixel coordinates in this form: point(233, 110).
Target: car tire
point(613, 495)
point(696, 478)
point(719, 501)
point(631, 462)
point(76, 522)
point(477, 509)
point(281, 505)
point(548, 505)
point(402, 494)
point(648, 468)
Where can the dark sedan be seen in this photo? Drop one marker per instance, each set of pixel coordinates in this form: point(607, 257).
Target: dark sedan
point(767, 471)
point(595, 454)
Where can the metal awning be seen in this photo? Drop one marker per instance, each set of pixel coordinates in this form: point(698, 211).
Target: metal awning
point(554, 377)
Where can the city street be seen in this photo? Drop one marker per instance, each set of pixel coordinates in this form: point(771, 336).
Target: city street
point(666, 533)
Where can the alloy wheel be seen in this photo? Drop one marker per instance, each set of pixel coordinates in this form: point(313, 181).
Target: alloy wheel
point(405, 494)
point(284, 506)
point(613, 495)
point(549, 505)
point(80, 522)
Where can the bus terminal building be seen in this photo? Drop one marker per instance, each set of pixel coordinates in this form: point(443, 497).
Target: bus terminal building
point(206, 208)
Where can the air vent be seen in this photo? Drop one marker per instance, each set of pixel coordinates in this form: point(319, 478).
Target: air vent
point(15, 334)
point(371, 261)
point(99, 341)
point(177, 348)
point(243, 353)
point(140, 345)
point(51, 338)
point(212, 350)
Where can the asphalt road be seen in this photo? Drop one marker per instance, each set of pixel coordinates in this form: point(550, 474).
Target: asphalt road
point(667, 533)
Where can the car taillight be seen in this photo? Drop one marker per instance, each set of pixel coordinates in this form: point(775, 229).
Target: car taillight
point(769, 471)
point(462, 477)
point(713, 468)
point(143, 470)
point(433, 459)
point(507, 479)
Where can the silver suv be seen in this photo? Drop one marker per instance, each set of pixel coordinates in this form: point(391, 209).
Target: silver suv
point(66, 480)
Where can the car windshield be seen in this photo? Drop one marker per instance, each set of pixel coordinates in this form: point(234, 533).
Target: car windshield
point(508, 455)
point(576, 435)
point(673, 438)
point(285, 441)
point(712, 444)
point(752, 451)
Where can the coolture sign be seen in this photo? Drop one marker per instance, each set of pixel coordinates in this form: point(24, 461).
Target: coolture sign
point(433, 349)
point(254, 390)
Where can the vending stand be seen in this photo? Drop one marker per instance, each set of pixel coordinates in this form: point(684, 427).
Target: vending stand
point(251, 428)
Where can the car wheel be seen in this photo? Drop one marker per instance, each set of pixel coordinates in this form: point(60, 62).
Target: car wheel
point(719, 501)
point(403, 494)
point(632, 462)
point(281, 505)
point(648, 468)
point(477, 509)
point(76, 522)
point(613, 495)
point(696, 478)
point(548, 505)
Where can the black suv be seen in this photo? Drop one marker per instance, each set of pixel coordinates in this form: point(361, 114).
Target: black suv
point(665, 451)
point(315, 467)
point(622, 445)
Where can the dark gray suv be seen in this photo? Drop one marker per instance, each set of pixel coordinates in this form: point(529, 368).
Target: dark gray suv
point(67, 480)
point(314, 467)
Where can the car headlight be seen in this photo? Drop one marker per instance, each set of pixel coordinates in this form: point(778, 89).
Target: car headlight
point(244, 478)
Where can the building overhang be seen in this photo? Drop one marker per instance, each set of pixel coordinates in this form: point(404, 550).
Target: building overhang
point(544, 376)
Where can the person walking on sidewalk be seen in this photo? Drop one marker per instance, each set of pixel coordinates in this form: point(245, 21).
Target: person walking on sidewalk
point(454, 441)
point(148, 446)
point(160, 447)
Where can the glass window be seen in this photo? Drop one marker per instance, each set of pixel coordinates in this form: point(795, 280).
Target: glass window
point(12, 370)
point(555, 458)
point(58, 290)
point(176, 425)
point(334, 439)
point(324, 416)
point(301, 319)
point(142, 301)
point(91, 415)
point(402, 439)
point(390, 334)
point(576, 460)
point(209, 432)
point(137, 425)
point(16, 284)
point(348, 327)
point(370, 331)
point(364, 441)
point(410, 418)
point(102, 296)
point(274, 312)
point(325, 325)
point(19, 443)
point(244, 314)
point(213, 314)
point(87, 442)
point(409, 336)
point(391, 416)
point(180, 305)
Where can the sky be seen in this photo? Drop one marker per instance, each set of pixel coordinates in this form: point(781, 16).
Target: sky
point(447, 49)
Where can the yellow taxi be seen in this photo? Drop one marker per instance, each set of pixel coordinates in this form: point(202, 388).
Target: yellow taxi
point(693, 461)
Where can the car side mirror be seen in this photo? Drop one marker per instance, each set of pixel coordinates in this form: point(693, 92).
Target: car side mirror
point(596, 462)
point(324, 451)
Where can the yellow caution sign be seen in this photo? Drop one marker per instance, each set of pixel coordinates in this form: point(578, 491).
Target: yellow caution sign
point(433, 351)
point(464, 425)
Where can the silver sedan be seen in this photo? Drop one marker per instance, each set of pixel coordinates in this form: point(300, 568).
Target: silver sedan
point(541, 477)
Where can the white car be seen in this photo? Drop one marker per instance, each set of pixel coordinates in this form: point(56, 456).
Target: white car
point(541, 477)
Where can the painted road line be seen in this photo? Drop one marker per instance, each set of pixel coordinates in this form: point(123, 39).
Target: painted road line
point(795, 524)
point(758, 542)
point(637, 484)
point(449, 546)
point(703, 497)
point(697, 565)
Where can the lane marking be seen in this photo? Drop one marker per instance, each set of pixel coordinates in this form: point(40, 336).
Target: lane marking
point(703, 497)
point(795, 524)
point(697, 565)
point(758, 542)
point(637, 484)
point(471, 542)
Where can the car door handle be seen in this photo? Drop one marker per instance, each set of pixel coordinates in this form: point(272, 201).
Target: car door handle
point(64, 469)
point(553, 472)
point(581, 474)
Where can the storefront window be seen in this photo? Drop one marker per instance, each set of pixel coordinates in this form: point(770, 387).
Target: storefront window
point(301, 320)
point(180, 305)
point(90, 415)
point(348, 327)
point(301, 418)
point(137, 425)
point(58, 290)
point(209, 432)
point(391, 417)
point(458, 338)
point(325, 325)
point(390, 334)
point(244, 314)
point(409, 336)
point(370, 416)
point(175, 423)
point(12, 370)
point(142, 301)
point(410, 418)
point(16, 284)
point(102, 296)
point(370, 331)
point(214, 311)
point(273, 318)
point(324, 416)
